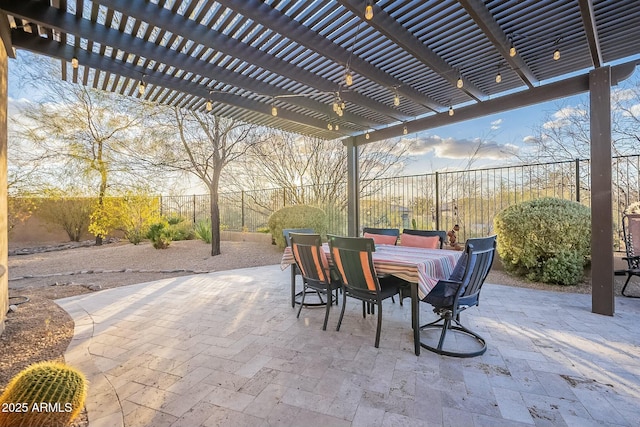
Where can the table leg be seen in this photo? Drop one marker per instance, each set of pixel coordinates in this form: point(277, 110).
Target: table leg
point(415, 317)
point(293, 285)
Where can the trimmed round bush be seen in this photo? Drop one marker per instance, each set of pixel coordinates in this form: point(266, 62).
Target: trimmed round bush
point(296, 216)
point(546, 240)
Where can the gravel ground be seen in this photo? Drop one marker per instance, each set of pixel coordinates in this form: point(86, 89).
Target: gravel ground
point(40, 330)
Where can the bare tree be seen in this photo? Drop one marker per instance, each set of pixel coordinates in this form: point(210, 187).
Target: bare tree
point(203, 145)
point(313, 170)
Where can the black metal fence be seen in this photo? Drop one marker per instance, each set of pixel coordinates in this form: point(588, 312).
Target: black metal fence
point(469, 198)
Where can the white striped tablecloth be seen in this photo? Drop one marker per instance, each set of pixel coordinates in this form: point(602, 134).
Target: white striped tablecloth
point(416, 265)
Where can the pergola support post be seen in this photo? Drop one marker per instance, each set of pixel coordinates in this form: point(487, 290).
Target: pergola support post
point(602, 280)
point(353, 188)
point(4, 228)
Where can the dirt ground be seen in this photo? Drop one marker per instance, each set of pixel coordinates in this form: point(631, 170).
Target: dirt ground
point(40, 330)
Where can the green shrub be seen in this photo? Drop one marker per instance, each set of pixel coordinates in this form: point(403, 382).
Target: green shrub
point(297, 216)
point(49, 394)
point(546, 240)
point(180, 229)
point(203, 230)
point(160, 235)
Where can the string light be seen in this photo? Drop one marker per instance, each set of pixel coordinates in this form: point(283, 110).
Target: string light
point(366, 135)
point(337, 127)
point(368, 11)
point(141, 87)
point(451, 112)
point(512, 51)
point(348, 78)
point(404, 130)
point(329, 126)
point(459, 83)
point(74, 62)
point(556, 54)
point(498, 78)
point(274, 110)
point(209, 103)
point(396, 99)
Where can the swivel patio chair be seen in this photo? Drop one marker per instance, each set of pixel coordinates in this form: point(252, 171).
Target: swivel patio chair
point(294, 268)
point(353, 261)
point(442, 236)
point(314, 267)
point(382, 236)
point(631, 229)
point(450, 297)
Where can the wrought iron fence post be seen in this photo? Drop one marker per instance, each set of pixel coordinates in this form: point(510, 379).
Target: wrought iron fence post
point(194, 208)
point(161, 205)
point(242, 207)
point(578, 180)
point(437, 201)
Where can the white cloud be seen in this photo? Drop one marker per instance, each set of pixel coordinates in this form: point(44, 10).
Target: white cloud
point(562, 116)
point(495, 125)
point(633, 111)
point(622, 95)
point(529, 139)
point(451, 148)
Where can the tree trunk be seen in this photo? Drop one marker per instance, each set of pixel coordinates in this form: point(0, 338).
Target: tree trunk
point(215, 221)
point(103, 185)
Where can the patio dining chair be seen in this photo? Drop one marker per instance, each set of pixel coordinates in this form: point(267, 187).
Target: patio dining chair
point(382, 236)
point(461, 291)
point(421, 237)
point(294, 267)
point(353, 261)
point(631, 230)
point(314, 267)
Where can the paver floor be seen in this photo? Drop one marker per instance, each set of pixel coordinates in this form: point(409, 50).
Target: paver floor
point(226, 349)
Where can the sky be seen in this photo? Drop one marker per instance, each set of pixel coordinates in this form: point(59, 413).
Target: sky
point(447, 147)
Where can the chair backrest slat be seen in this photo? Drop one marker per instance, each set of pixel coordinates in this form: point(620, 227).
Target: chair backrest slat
point(352, 258)
point(306, 249)
point(481, 252)
point(287, 231)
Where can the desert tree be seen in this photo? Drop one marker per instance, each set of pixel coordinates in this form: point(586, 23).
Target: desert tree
point(202, 144)
point(79, 134)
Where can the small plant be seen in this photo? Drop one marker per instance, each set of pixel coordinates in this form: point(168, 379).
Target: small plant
point(297, 216)
point(46, 394)
point(203, 230)
point(180, 229)
point(546, 240)
point(414, 223)
point(160, 235)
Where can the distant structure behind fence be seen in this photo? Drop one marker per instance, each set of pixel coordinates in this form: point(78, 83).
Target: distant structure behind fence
point(470, 198)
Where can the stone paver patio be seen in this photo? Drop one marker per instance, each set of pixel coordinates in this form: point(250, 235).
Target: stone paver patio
point(226, 349)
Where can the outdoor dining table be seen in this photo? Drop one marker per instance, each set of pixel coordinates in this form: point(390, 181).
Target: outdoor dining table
point(418, 266)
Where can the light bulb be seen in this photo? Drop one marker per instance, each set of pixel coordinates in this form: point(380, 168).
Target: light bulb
point(209, 105)
point(498, 78)
point(336, 107)
point(451, 111)
point(74, 62)
point(512, 51)
point(459, 83)
point(337, 127)
point(366, 135)
point(141, 88)
point(274, 111)
point(329, 126)
point(396, 100)
point(404, 130)
point(348, 78)
point(556, 55)
point(368, 12)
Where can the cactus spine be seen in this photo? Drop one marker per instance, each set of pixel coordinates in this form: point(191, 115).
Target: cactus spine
point(47, 394)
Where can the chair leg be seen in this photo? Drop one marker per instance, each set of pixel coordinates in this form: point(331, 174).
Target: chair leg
point(344, 304)
point(447, 326)
point(629, 275)
point(326, 313)
point(364, 311)
point(304, 292)
point(379, 324)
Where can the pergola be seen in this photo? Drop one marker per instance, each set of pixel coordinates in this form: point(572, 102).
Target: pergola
point(356, 70)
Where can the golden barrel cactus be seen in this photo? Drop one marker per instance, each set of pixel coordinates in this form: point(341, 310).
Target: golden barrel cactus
point(46, 394)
